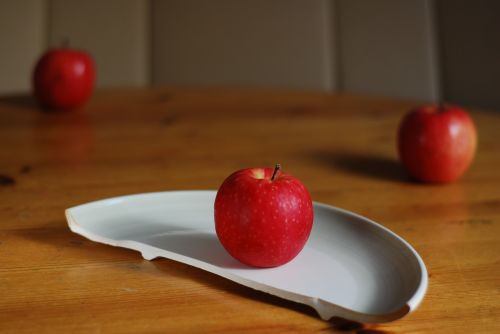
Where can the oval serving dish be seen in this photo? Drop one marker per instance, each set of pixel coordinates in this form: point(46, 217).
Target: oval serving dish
point(351, 267)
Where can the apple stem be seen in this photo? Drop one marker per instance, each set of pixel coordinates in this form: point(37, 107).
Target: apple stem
point(276, 169)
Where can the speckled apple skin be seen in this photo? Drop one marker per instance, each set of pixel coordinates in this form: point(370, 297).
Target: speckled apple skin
point(263, 222)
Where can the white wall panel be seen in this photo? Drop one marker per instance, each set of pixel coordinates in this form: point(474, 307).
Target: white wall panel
point(386, 47)
point(22, 38)
point(382, 47)
point(116, 32)
point(270, 43)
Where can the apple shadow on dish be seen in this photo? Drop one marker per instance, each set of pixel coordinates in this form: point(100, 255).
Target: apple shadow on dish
point(184, 271)
point(363, 164)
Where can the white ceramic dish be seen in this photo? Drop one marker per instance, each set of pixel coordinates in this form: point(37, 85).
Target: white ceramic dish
point(351, 267)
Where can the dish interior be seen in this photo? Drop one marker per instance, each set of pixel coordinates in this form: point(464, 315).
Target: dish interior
point(348, 260)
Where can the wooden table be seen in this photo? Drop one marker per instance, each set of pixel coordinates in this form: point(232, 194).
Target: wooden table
point(132, 141)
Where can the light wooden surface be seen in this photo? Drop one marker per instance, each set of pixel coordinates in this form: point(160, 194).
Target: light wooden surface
point(132, 141)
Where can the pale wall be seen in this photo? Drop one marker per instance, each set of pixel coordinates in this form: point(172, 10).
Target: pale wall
point(426, 50)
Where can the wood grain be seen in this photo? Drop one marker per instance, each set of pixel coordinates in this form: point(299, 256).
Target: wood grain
point(131, 141)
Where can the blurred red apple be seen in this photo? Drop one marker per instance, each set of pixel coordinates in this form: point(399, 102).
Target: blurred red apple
point(63, 78)
point(437, 143)
point(263, 217)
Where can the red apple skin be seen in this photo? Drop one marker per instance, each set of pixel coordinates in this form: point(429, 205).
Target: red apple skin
point(437, 144)
point(63, 78)
point(263, 222)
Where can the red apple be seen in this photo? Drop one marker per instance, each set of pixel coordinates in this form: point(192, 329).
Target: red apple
point(263, 217)
point(437, 143)
point(63, 78)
